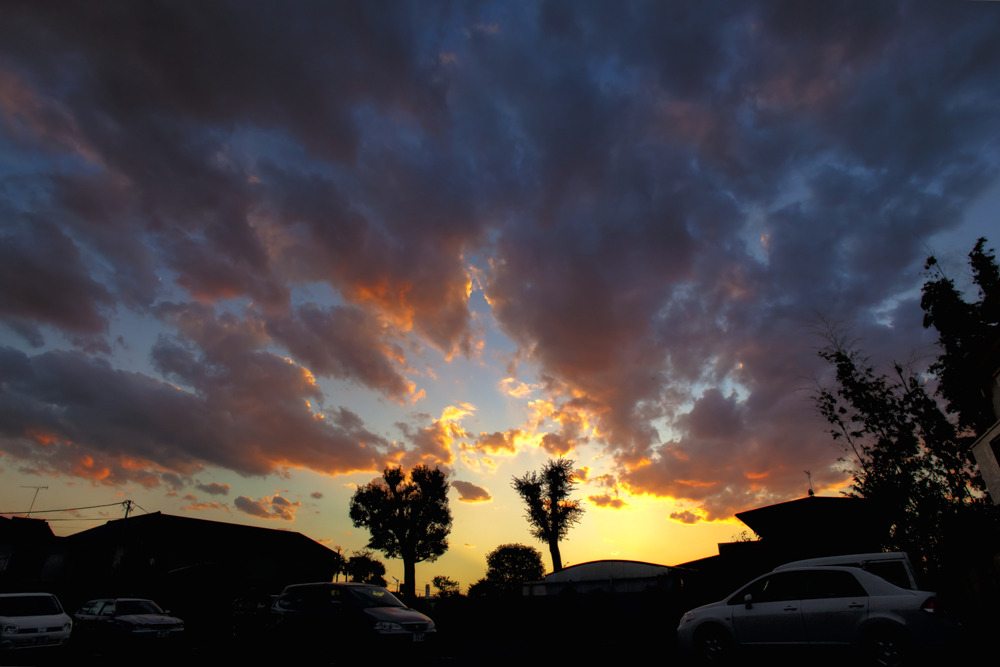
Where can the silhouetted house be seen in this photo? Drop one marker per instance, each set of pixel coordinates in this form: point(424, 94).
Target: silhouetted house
point(608, 576)
point(805, 528)
point(986, 449)
point(28, 553)
point(166, 550)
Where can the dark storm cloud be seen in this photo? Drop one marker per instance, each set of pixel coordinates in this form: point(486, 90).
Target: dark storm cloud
point(215, 489)
point(470, 493)
point(67, 412)
point(342, 342)
point(660, 198)
point(275, 507)
point(46, 282)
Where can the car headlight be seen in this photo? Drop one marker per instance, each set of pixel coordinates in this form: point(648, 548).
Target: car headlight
point(388, 626)
point(11, 629)
point(67, 626)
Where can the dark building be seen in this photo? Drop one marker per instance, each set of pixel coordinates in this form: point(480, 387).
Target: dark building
point(194, 567)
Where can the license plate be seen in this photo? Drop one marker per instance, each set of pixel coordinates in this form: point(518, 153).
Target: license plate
point(418, 636)
point(162, 633)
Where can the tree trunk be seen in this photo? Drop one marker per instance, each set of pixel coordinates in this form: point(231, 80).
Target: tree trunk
point(554, 552)
point(408, 588)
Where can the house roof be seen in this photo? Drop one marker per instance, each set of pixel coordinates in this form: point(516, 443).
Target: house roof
point(230, 535)
point(599, 570)
point(790, 520)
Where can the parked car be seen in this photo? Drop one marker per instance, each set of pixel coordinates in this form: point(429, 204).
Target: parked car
point(831, 606)
point(32, 620)
point(361, 613)
point(119, 622)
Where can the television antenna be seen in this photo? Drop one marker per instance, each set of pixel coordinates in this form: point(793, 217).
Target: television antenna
point(32, 506)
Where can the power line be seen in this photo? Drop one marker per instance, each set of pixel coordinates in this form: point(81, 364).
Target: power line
point(76, 509)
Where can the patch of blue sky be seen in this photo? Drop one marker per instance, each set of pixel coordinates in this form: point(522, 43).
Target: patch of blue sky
point(613, 77)
point(251, 145)
point(951, 246)
point(321, 293)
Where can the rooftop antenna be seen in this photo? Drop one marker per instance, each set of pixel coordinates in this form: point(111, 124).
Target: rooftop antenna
point(809, 475)
point(37, 489)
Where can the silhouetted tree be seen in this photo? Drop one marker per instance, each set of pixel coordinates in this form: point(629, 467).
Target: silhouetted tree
point(406, 518)
point(481, 589)
point(445, 586)
point(550, 512)
point(909, 459)
point(364, 568)
point(510, 565)
point(339, 565)
point(965, 330)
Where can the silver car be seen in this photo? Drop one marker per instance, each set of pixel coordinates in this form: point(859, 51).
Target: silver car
point(30, 620)
point(833, 606)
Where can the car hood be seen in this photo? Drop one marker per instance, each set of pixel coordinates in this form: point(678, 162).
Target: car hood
point(150, 619)
point(47, 621)
point(396, 615)
point(710, 605)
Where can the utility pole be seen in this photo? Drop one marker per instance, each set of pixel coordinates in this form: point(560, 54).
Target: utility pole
point(128, 507)
point(32, 506)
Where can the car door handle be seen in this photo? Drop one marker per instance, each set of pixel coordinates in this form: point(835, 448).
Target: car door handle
point(791, 608)
point(856, 605)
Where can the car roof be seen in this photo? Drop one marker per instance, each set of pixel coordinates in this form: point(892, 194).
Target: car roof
point(25, 595)
point(846, 558)
point(333, 584)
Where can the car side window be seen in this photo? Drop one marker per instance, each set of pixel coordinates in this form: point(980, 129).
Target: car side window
point(108, 609)
point(775, 587)
point(825, 584)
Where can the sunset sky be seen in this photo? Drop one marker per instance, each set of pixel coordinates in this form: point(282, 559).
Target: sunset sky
point(252, 252)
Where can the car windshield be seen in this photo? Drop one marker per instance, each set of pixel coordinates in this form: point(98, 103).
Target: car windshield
point(129, 607)
point(373, 596)
point(29, 605)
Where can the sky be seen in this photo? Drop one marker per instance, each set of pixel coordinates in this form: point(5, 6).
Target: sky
point(251, 253)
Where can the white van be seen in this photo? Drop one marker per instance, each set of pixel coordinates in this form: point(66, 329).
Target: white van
point(893, 566)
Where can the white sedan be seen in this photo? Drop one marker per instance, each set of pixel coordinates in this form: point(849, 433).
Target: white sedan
point(832, 606)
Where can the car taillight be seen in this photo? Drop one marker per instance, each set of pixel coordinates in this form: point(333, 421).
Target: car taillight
point(930, 605)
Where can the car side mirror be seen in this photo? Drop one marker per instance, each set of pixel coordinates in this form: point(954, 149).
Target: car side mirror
point(748, 601)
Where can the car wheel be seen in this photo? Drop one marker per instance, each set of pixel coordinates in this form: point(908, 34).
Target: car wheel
point(887, 648)
point(713, 646)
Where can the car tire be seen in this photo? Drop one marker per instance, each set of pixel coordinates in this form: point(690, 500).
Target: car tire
point(713, 646)
point(887, 647)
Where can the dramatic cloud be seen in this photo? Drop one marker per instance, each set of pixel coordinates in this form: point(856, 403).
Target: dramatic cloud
point(607, 500)
point(686, 516)
point(275, 507)
point(470, 493)
point(255, 240)
point(214, 489)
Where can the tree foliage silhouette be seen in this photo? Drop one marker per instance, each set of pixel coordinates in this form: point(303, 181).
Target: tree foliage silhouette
point(965, 330)
point(364, 568)
point(407, 517)
point(550, 512)
point(510, 565)
point(507, 567)
point(911, 453)
point(446, 586)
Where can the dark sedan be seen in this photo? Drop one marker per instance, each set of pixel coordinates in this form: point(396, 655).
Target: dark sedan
point(121, 622)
